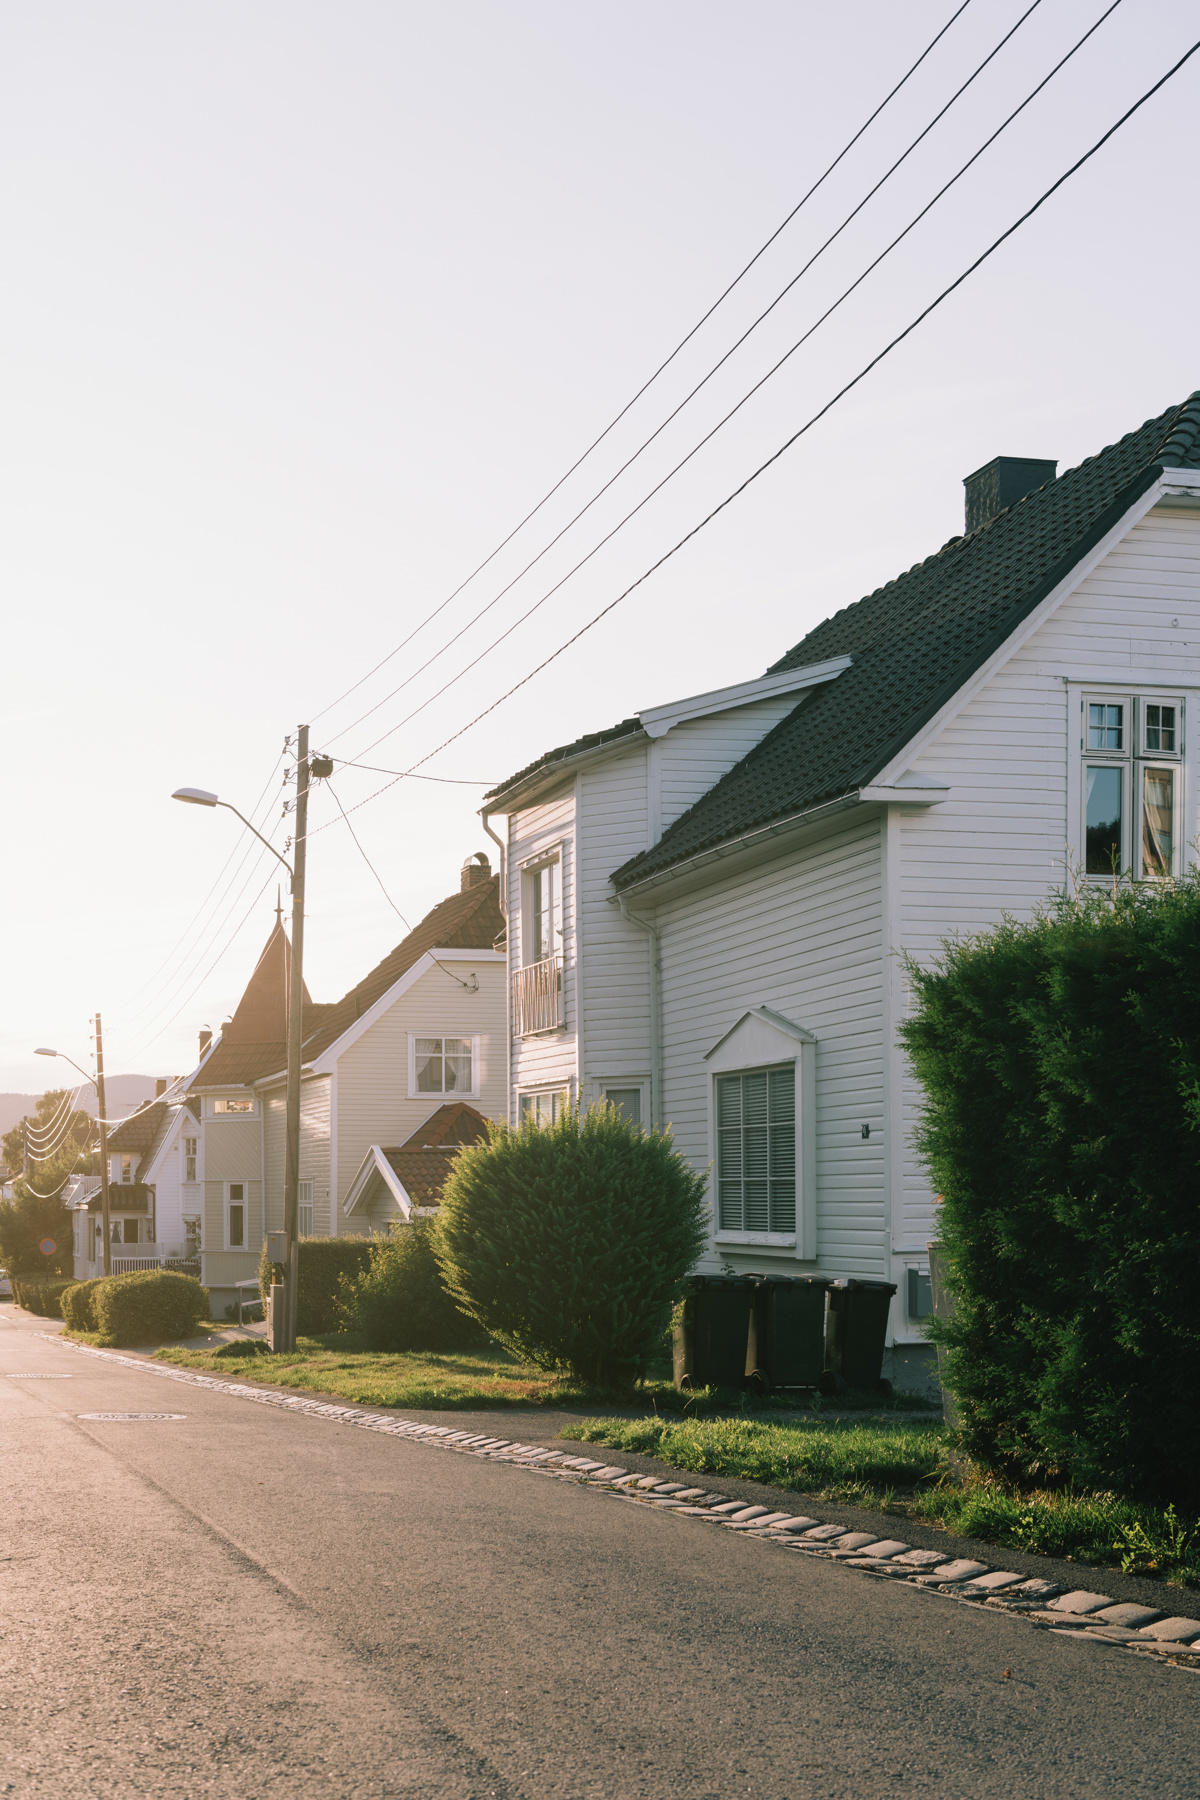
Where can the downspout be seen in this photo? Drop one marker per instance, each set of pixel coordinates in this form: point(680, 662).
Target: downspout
point(656, 1058)
point(485, 820)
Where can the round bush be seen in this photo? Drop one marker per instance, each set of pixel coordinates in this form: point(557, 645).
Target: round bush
point(41, 1294)
point(79, 1305)
point(570, 1242)
point(150, 1307)
point(400, 1301)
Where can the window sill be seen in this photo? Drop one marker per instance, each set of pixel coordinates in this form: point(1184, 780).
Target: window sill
point(763, 1240)
point(523, 1037)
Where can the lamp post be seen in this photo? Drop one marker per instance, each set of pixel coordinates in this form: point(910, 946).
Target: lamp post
point(285, 1339)
point(103, 1111)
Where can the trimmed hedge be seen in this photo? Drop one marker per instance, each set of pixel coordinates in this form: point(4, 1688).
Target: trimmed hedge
point(400, 1301)
point(79, 1305)
point(323, 1262)
point(1061, 1067)
point(570, 1242)
point(152, 1306)
point(41, 1294)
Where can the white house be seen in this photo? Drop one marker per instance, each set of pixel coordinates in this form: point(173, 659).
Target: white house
point(709, 902)
point(153, 1198)
point(426, 1027)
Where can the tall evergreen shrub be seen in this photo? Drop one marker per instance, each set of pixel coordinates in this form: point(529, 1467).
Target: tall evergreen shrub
point(570, 1242)
point(400, 1302)
point(1061, 1067)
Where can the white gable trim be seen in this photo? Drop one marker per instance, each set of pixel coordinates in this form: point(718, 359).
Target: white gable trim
point(656, 721)
point(1022, 633)
point(375, 1166)
point(169, 1141)
point(324, 1064)
point(760, 1027)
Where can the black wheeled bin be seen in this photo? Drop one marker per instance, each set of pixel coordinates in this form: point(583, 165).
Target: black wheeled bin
point(856, 1330)
point(787, 1332)
point(713, 1332)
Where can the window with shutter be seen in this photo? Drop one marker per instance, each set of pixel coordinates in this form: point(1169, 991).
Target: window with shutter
point(756, 1150)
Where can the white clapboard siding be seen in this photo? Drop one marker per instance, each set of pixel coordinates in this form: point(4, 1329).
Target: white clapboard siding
point(373, 1101)
point(694, 755)
point(615, 987)
point(314, 1149)
point(999, 843)
point(802, 935)
point(548, 825)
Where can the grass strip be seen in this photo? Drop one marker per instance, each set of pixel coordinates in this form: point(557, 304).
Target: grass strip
point(904, 1468)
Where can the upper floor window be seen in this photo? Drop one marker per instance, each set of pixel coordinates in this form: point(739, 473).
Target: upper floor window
point(127, 1168)
point(306, 1208)
point(1132, 784)
point(189, 1159)
point(235, 1216)
point(756, 1150)
point(233, 1106)
point(443, 1065)
point(540, 913)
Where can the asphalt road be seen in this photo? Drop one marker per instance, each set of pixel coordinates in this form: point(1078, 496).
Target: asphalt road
point(245, 1602)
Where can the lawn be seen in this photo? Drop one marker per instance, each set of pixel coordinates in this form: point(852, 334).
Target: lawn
point(903, 1468)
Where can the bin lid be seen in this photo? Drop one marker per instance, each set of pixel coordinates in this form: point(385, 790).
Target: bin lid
point(821, 1281)
point(877, 1287)
point(721, 1281)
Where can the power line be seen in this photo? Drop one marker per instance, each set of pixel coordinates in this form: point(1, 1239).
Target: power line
point(746, 397)
point(805, 428)
point(646, 385)
point(705, 379)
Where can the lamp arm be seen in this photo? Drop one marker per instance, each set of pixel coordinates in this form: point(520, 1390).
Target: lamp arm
point(258, 834)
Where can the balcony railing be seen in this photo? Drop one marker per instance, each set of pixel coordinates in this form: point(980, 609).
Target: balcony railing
point(537, 998)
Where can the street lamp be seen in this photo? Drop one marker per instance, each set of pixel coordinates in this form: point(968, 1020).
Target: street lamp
point(103, 1111)
point(283, 1333)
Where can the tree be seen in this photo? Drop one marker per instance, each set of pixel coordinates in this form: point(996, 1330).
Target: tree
point(570, 1242)
point(60, 1146)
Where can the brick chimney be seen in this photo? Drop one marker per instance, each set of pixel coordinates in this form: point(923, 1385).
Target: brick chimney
point(475, 870)
point(160, 1086)
point(1001, 483)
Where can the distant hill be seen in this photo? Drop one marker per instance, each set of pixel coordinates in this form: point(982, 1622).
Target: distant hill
point(122, 1092)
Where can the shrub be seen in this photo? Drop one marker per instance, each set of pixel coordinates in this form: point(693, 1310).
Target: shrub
point(400, 1301)
point(41, 1294)
point(152, 1306)
point(79, 1305)
point(323, 1261)
point(570, 1242)
point(1061, 1065)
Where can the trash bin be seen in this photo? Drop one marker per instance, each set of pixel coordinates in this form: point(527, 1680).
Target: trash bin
point(713, 1331)
point(787, 1332)
point(856, 1329)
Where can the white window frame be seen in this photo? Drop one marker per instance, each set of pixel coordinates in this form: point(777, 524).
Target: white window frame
point(244, 1106)
point(602, 1084)
point(192, 1156)
point(1133, 760)
point(545, 1089)
point(244, 1203)
point(729, 1058)
point(305, 1205)
point(550, 858)
point(447, 1097)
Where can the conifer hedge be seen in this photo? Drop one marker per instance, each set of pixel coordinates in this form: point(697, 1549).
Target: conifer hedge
point(569, 1242)
point(1061, 1067)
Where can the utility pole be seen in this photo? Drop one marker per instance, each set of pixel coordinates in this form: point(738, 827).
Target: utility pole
point(103, 1146)
point(25, 1148)
point(291, 1195)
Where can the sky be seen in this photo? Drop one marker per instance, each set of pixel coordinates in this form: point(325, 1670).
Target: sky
point(306, 306)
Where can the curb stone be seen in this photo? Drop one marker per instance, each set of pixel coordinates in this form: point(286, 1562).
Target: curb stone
point(1042, 1603)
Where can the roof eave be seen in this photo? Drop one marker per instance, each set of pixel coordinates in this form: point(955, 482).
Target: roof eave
point(520, 793)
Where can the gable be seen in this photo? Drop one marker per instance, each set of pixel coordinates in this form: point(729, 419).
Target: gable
point(916, 641)
point(759, 1037)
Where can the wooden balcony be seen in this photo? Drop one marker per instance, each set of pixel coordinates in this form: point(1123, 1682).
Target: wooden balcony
point(537, 998)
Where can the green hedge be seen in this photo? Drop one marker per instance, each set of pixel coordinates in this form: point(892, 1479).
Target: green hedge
point(41, 1294)
point(400, 1301)
point(152, 1306)
point(1061, 1067)
point(570, 1242)
point(79, 1305)
point(323, 1262)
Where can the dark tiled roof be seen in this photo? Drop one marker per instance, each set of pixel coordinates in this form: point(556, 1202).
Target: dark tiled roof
point(915, 641)
point(134, 1135)
point(592, 741)
point(465, 921)
point(454, 1124)
point(423, 1172)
